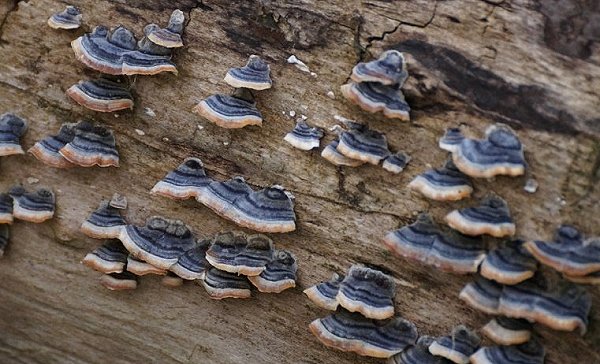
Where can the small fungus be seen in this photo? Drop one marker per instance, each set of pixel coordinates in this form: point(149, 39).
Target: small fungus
point(419, 354)
point(369, 292)
point(220, 196)
point(569, 253)
point(101, 95)
point(279, 273)
point(324, 294)
point(331, 154)
point(119, 281)
point(347, 331)
point(105, 222)
point(170, 37)
point(254, 75)
point(109, 257)
point(118, 201)
point(303, 136)
point(220, 284)
point(483, 295)
point(12, 129)
point(363, 144)
point(92, 145)
point(374, 97)
point(70, 18)
point(48, 149)
point(6, 209)
point(451, 140)
point(396, 162)
point(193, 264)
point(500, 153)
point(509, 264)
point(443, 184)
point(141, 268)
point(425, 241)
point(491, 217)
point(531, 352)
point(388, 69)
point(508, 331)
point(236, 253)
point(270, 210)
point(160, 242)
point(230, 112)
point(187, 180)
point(457, 347)
point(145, 45)
point(37, 206)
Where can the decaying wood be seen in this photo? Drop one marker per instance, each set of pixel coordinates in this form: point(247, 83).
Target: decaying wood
point(534, 66)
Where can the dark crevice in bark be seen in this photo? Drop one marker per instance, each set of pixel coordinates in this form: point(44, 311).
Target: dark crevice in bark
point(13, 6)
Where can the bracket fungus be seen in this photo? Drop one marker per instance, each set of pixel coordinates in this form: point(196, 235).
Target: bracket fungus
point(192, 264)
point(325, 293)
point(508, 331)
point(119, 281)
point(531, 352)
point(6, 209)
point(37, 206)
point(220, 284)
point(230, 112)
point(500, 153)
point(236, 253)
point(451, 140)
point(303, 136)
point(91, 145)
point(12, 129)
point(569, 253)
point(558, 304)
point(331, 154)
point(353, 332)
point(418, 354)
point(254, 75)
point(363, 144)
point(70, 18)
point(376, 86)
point(396, 162)
point(367, 291)
point(142, 268)
point(48, 149)
point(426, 242)
point(110, 257)
point(220, 196)
point(4, 237)
point(592, 278)
point(388, 69)
point(169, 37)
point(114, 53)
point(483, 295)
point(279, 273)
point(491, 217)
point(160, 242)
point(443, 184)
point(105, 222)
point(457, 347)
point(101, 95)
point(509, 264)
point(187, 180)
point(118, 201)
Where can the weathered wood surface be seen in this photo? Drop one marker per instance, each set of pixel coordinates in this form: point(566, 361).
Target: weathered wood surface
point(533, 65)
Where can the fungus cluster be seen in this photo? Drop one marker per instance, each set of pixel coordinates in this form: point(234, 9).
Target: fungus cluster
point(357, 144)
point(35, 206)
point(83, 144)
point(376, 86)
point(270, 209)
point(227, 265)
point(238, 109)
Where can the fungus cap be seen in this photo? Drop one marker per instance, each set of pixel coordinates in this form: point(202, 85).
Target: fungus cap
point(279, 273)
point(110, 257)
point(303, 136)
point(105, 222)
point(367, 291)
point(48, 149)
point(443, 184)
point(12, 129)
point(37, 206)
point(491, 217)
point(254, 75)
point(70, 18)
point(388, 69)
point(101, 95)
point(188, 180)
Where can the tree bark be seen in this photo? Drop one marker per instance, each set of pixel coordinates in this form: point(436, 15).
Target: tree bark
point(533, 65)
